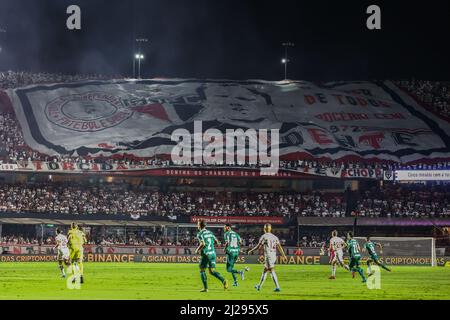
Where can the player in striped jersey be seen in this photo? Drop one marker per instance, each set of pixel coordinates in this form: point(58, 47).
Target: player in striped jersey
point(270, 243)
point(336, 250)
point(63, 255)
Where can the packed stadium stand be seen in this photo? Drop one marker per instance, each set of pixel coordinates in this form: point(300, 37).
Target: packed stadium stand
point(434, 95)
point(68, 198)
point(334, 191)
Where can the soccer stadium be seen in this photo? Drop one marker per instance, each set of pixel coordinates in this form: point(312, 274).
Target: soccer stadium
point(128, 186)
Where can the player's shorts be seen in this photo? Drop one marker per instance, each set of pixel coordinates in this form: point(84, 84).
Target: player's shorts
point(63, 254)
point(75, 254)
point(231, 259)
point(269, 261)
point(373, 257)
point(208, 261)
point(337, 256)
point(354, 262)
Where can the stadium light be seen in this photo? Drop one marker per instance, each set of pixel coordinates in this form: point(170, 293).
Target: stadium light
point(285, 60)
point(139, 57)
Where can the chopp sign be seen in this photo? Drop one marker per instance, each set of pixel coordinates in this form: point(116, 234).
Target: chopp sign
point(422, 175)
point(362, 173)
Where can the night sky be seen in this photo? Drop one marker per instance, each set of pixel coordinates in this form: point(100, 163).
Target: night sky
point(234, 39)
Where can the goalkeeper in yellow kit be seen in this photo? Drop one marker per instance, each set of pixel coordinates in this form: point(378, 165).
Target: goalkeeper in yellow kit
point(77, 239)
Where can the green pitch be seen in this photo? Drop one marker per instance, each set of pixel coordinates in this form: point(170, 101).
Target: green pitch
point(182, 281)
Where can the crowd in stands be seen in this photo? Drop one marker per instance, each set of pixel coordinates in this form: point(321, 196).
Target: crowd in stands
point(12, 144)
point(20, 239)
point(415, 200)
point(147, 239)
point(313, 241)
point(434, 94)
point(249, 239)
point(16, 79)
point(143, 201)
point(158, 238)
point(393, 200)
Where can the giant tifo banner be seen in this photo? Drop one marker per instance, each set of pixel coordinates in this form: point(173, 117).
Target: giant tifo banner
point(372, 120)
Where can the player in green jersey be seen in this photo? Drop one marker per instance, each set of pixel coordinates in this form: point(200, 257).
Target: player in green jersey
point(370, 246)
point(355, 255)
point(207, 240)
point(232, 242)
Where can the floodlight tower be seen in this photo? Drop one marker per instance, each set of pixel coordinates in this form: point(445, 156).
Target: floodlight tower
point(138, 56)
point(285, 60)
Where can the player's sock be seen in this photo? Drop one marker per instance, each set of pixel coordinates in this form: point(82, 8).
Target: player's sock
point(204, 279)
point(217, 275)
point(68, 268)
point(333, 270)
point(275, 279)
point(81, 267)
point(233, 273)
point(361, 273)
point(76, 268)
point(61, 267)
point(263, 278)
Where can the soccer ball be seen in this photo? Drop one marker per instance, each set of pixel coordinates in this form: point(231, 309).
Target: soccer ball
point(247, 268)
